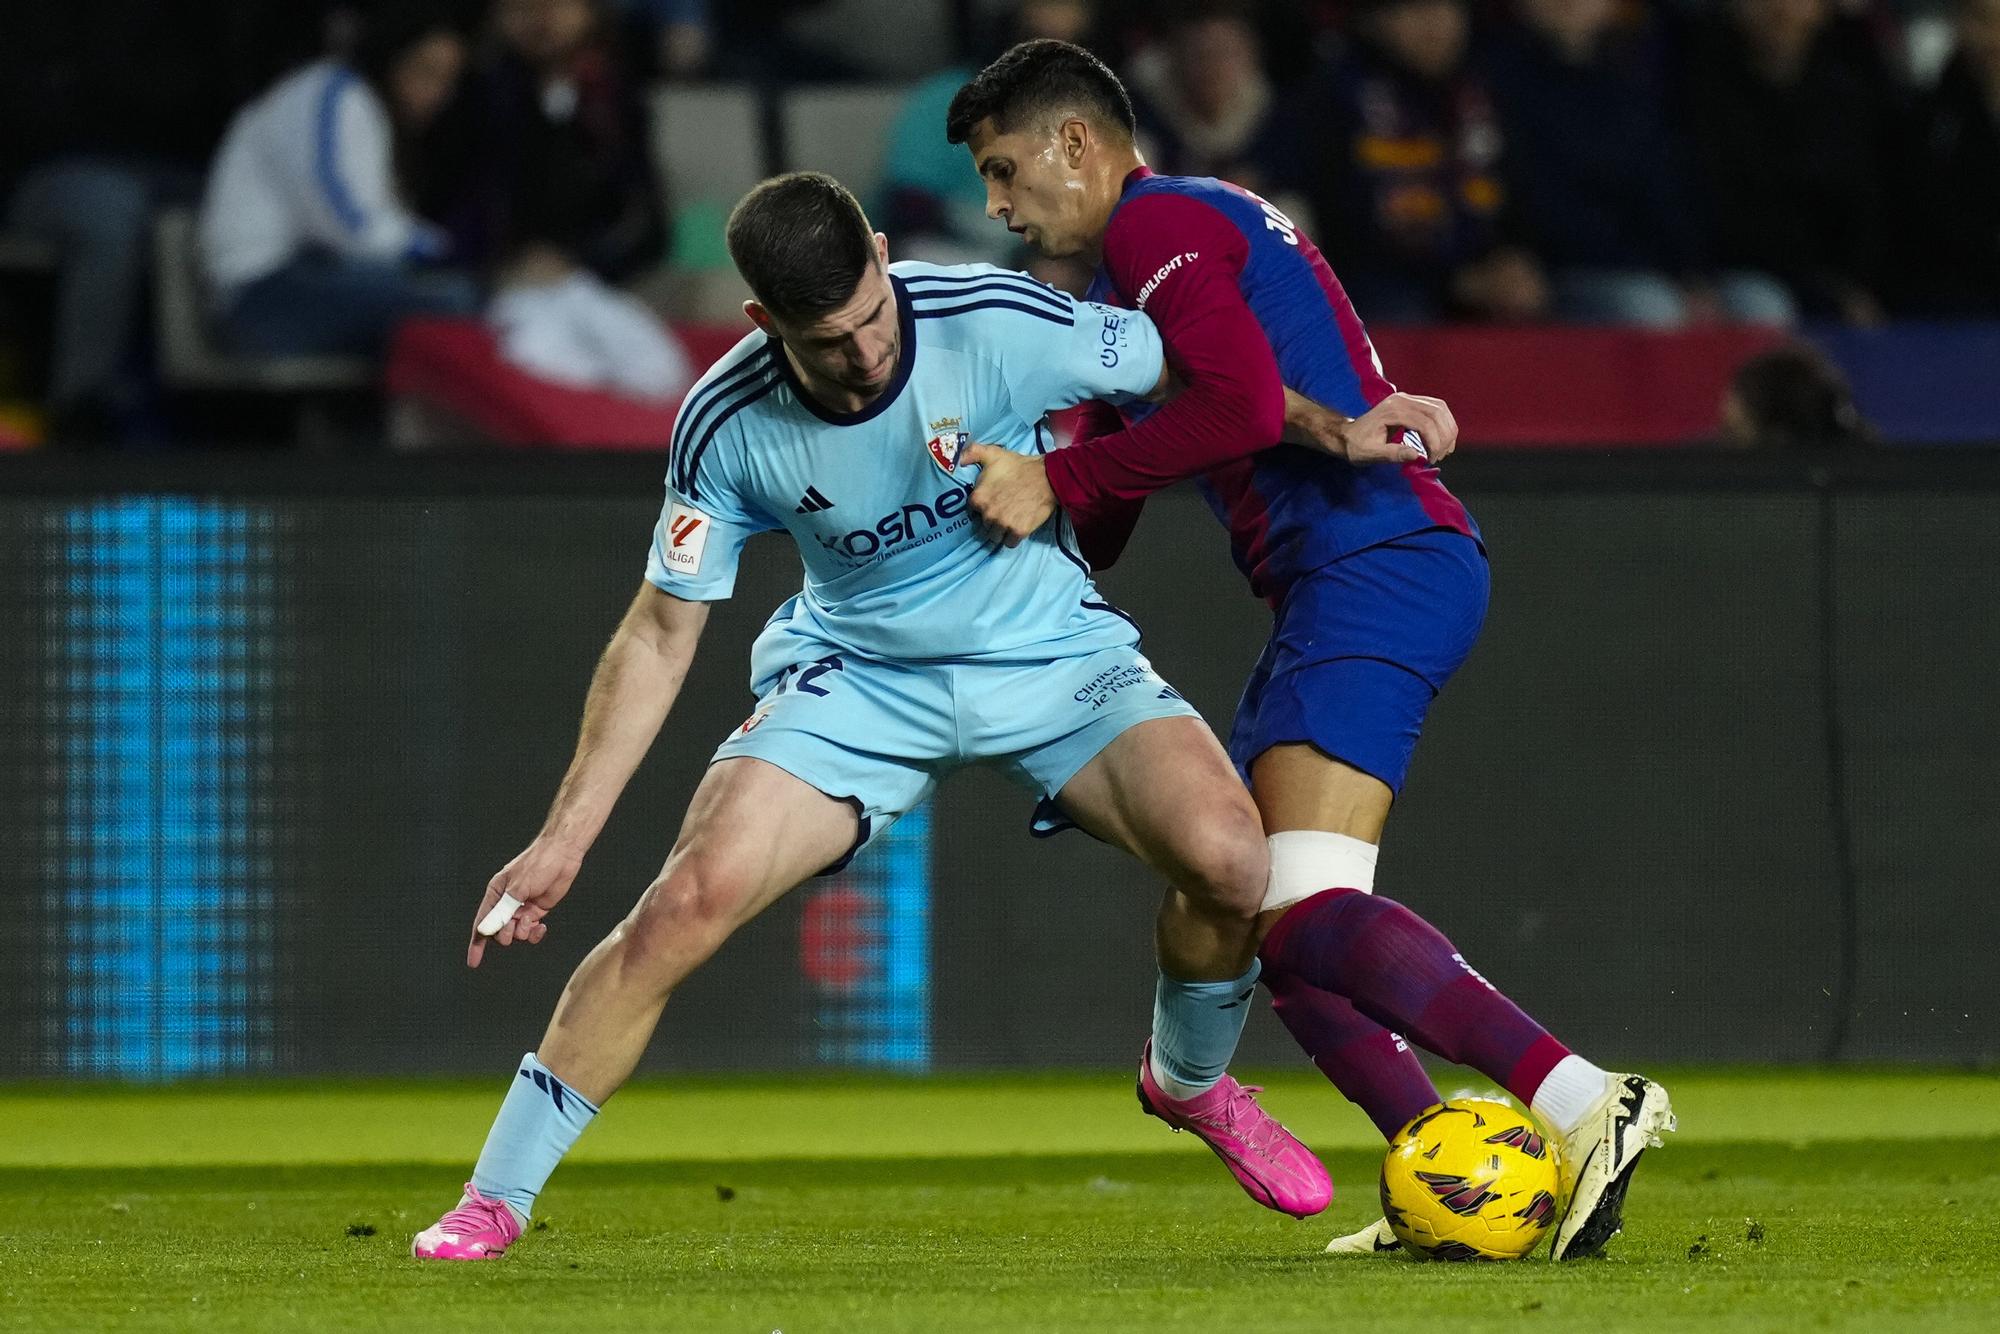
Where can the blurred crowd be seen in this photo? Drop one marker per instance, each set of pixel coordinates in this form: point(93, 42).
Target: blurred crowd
point(1655, 164)
point(1592, 161)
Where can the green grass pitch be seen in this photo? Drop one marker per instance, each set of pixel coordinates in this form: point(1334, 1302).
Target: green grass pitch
point(1789, 1201)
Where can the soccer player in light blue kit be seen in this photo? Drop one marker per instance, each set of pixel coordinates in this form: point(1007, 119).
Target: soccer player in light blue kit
point(917, 646)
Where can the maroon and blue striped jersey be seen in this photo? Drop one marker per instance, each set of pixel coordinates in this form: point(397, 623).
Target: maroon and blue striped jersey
point(1246, 306)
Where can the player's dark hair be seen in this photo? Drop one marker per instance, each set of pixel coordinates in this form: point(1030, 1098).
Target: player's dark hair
point(802, 243)
point(1037, 79)
point(1795, 396)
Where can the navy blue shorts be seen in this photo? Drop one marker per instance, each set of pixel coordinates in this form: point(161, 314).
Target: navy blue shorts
point(1360, 649)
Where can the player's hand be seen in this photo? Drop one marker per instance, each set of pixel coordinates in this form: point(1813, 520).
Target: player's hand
point(1381, 434)
point(1012, 496)
point(539, 878)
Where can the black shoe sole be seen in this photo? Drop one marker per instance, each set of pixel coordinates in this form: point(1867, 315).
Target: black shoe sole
point(1605, 1220)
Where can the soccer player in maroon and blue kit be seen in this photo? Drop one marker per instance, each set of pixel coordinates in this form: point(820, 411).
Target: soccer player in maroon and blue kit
point(1376, 574)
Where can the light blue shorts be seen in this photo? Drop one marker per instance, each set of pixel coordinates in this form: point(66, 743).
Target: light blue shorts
point(881, 734)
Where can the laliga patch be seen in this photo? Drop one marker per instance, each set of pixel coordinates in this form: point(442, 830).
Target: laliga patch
point(685, 538)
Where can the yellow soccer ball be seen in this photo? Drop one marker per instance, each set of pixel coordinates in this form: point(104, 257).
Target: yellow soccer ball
point(1470, 1179)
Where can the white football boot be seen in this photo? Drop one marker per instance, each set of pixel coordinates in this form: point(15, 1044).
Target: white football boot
point(1375, 1239)
point(1597, 1161)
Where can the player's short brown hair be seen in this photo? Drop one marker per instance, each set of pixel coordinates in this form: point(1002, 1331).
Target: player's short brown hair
point(1040, 78)
point(802, 243)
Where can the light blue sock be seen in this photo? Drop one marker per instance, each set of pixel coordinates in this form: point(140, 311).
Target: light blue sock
point(1195, 1028)
point(540, 1119)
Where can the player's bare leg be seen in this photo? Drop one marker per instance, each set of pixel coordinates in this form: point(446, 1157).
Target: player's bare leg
point(751, 833)
point(1345, 968)
point(1299, 787)
point(1165, 792)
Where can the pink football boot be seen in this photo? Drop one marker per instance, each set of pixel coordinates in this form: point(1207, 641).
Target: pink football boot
point(478, 1229)
point(1275, 1169)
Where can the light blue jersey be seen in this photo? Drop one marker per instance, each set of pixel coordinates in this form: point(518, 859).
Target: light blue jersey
point(896, 564)
point(919, 644)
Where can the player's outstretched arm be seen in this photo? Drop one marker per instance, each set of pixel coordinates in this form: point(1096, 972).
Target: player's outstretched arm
point(1185, 259)
point(1380, 435)
point(636, 683)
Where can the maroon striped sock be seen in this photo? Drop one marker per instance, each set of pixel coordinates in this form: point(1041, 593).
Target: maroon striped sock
point(1373, 1068)
point(1399, 971)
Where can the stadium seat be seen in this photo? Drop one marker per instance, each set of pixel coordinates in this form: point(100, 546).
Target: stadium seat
point(709, 145)
point(708, 142)
point(841, 131)
point(1572, 387)
point(189, 357)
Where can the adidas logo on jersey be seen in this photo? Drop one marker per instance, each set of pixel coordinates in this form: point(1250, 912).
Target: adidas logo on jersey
point(812, 502)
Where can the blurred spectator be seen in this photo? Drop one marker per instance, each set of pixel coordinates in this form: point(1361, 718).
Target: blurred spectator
point(1792, 126)
point(886, 40)
point(1409, 202)
point(1293, 35)
point(1792, 397)
point(92, 148)
point(306, 235)
point(550, 149)
point(563, 201)
point(1599, 176)
point(677, 33)
point(1955, 234)
point(934, 204)
point(554, 193)
point(1206, 106)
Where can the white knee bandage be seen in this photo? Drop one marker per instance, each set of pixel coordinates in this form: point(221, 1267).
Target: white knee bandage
point(1306, 861)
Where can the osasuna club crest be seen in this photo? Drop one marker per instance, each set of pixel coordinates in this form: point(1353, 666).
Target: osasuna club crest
point(946, 442)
